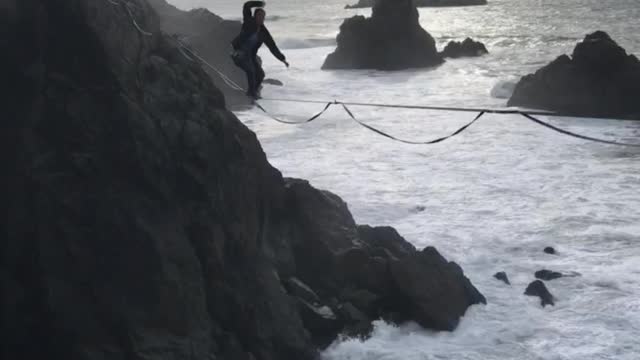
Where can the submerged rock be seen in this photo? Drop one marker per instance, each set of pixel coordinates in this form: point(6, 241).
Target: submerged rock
point(502, 276)
point(423, 3)
point(466, 48)
point(537, 288)
point(600, 79)
point(391, 39)
point(547, 275)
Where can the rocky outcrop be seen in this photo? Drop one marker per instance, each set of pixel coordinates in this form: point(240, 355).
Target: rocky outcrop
point(547, 275)
point(600, 79)
point(549, 250)
point(391, 39)
point(502, 276)
point(537, 288)
point(141, 219)
point(210, 36)
point(467, 48)
point(423, 3)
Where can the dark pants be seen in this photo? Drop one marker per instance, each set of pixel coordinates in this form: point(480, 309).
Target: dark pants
point(253, 70)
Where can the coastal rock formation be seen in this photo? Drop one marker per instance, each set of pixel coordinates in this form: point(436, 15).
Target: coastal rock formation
point(600, 79)
point(391, 39)
point(141, 219)
point(502, 276)
point(423, 3)
point(537, 288)
point(210, 36)
point(547, 275)
point(466, 48)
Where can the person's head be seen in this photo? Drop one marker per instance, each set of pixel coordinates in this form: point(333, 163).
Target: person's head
point(259, 15)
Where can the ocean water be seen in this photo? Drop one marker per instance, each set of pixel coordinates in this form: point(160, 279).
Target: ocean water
point(490, 199)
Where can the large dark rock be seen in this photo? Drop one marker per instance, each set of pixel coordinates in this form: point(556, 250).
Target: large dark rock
point(423, 3)
point(435, 302)
point(210, 36)
point(537, 288)
point(600, 79)
point(467, 48)
point(141, 219)
point(391, 39)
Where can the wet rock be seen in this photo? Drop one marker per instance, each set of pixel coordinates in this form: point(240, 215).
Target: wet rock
point(320, 321)
point(434, 302)
point(423, 3)
point(297, 288)
point(600, 79)
point(386, 237)
point(391, 39)
point(547, 275)
point(537, 288)
point(502, 276)
point(357, 323)
point(550, 250)
point(466, 48)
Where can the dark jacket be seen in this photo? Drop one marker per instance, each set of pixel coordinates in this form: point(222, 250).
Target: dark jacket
point(250, 27)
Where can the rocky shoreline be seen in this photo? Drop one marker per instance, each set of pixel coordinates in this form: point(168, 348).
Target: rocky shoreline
point(144, 221)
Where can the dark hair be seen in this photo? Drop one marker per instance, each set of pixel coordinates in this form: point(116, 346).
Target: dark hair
point(259, 10)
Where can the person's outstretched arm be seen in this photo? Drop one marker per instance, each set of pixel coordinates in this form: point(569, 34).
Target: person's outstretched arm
point(273, 47)
point(246, 9)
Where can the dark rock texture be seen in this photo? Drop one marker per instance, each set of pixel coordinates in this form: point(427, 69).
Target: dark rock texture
point(141, 219)
point(467, 48)
point(549, 250)
point(502, 276)
point(210, 36)
point(547, 275)
point(391, 39)
point(600, 79)
point(423, 3)
point(537, 288)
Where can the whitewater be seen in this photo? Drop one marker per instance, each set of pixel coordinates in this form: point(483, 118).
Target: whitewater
point(490, 199)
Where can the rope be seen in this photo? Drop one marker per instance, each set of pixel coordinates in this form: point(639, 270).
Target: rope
point(380, 132)
point(317, 115)
point(233, 85)
point(127, 5)
point(426, 107)
point(579, 136)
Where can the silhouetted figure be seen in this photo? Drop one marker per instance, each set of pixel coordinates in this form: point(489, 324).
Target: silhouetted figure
point(252, 35)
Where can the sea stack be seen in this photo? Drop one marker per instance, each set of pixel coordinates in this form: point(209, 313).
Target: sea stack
point(391, 39)
point(599, 79)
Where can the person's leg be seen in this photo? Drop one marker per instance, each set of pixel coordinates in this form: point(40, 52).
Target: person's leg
point(245, 63)
point(259, 74)
point(250, 70)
